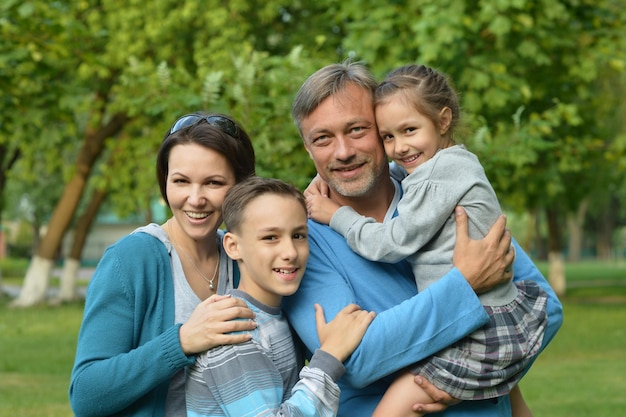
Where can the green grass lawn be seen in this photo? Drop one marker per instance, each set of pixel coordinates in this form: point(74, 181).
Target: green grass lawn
point(582, 372)
point(37, 348)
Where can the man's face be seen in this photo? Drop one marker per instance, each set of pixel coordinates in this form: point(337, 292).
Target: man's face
point(340, 136)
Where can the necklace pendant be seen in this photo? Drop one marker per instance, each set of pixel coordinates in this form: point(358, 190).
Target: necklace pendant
point(211, 286)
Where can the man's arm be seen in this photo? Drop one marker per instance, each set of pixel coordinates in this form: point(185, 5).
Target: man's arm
point(408, 327)
point(524, 269)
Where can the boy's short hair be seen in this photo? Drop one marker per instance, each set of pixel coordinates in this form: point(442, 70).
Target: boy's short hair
point(241, 194)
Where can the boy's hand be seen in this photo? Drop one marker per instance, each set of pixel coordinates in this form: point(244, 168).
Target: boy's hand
point(343, 334)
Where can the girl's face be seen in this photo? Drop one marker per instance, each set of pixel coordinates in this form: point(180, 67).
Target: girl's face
point(197, 182)
point(410, 138)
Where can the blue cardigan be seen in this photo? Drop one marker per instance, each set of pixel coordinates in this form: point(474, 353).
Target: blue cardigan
point(128, 345)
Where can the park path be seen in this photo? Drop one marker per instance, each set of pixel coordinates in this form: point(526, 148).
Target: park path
point(13, 291)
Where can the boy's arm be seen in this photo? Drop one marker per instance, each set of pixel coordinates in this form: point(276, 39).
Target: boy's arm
point(248, 383)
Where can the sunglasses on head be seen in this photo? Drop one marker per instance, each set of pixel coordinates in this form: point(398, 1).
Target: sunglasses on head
point(222, 123)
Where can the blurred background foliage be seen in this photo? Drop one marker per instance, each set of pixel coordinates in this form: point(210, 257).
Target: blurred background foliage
point(90, 86)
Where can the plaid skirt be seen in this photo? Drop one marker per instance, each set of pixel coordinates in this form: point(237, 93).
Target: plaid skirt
point(489, 362)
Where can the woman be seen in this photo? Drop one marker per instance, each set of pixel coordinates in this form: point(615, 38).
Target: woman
point(153, 301)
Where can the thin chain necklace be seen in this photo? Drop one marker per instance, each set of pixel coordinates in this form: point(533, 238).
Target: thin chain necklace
point(204, 277)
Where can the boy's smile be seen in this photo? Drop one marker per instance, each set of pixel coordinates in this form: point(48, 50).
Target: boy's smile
point(271, 247)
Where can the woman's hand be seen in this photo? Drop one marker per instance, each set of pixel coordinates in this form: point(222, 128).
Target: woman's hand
point(212, 321)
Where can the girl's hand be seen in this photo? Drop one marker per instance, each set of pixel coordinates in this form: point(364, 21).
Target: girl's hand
point(317, 187)
point(320, 208)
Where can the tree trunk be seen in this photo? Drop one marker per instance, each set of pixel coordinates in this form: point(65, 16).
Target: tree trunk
point(606, 227)
point(7, 160)
point(36, 282)
point(575, 228)
point(35, 289)
point(69, 279)
point(539, 242)
point(2, 255)
point(556, 273)
point(528, 240)
point(71, 266)
point(556, 269)
point(619, 256)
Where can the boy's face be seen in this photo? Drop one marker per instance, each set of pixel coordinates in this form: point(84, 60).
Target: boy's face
point(271, 247)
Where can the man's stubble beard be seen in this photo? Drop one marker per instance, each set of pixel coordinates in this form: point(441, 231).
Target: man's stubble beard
point(358, 187)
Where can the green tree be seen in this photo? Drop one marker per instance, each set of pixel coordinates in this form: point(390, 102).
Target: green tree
point(528, 73)
point(129, 71)
point(92, 79)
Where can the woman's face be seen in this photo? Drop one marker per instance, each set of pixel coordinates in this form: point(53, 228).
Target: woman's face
point(197, 182)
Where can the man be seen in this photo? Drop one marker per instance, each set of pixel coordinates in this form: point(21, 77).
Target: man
point(334, 113)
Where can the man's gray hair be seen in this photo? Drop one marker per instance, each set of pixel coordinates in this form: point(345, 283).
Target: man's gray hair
point(326, 82)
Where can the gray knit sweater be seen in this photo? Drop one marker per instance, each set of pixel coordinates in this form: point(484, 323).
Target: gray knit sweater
point(424, 230)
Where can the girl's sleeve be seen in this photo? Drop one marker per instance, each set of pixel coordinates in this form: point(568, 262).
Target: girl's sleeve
point(430, 194)
point(422, 212)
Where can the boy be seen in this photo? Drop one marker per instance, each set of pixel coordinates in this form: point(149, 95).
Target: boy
point(267, 223)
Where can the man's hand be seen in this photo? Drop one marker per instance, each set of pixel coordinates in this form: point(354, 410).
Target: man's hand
point(442, 400)
point(487, 262)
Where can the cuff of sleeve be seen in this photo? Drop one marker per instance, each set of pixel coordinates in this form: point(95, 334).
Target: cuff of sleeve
point(455, 284)
point(172, 349)
point(328, 364)
point(343, 219)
